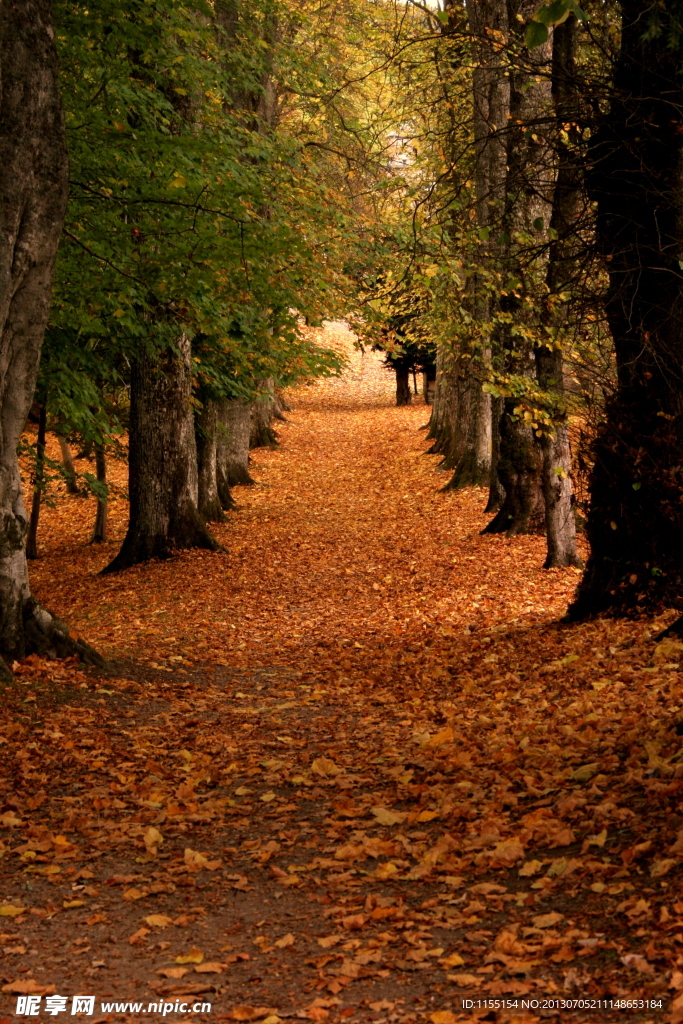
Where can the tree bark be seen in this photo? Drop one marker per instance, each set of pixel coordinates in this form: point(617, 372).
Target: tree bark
point(474, 466)
point(635, 519)
point(488, 25)
point(232, 462)
point(444, 423)
point(261, 433)
point(33, 191)
point(69, 468)
point(99, 533)
point(162, 461)
point(38, 484)
point(520, 473)
point(206, 434)
point(528, 195)
point(560, 522)
point(496, 489)
point(403, 393)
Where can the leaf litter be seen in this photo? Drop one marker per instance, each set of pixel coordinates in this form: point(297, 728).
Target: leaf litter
point(354, 769)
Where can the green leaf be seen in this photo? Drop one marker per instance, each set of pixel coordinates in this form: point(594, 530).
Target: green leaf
point(538, 224)
point(554, 14)
point(536, 35)
point(442, 16)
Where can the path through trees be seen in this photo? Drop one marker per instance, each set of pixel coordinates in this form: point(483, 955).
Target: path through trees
point(352, 769)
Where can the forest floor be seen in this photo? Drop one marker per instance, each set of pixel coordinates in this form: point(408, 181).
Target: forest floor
point(355, 769)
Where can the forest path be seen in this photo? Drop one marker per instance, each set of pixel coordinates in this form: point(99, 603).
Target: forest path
point(345, 540)
point(351, 771)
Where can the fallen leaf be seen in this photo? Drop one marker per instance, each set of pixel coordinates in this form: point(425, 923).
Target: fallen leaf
point(9, 910)
point(195, 956)
point(158, 920)
point(547, 920)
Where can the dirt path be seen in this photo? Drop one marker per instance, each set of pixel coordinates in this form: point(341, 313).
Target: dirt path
point(351, 770)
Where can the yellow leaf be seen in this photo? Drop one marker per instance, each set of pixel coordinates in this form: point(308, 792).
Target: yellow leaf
point(668, 650)
point(195, 861)
point(152, 838)
point(195, 956)
point(267, 797)
point(68, 904)
point(427, 815)
point(8, 910)
point(324, 766)
point(387, 817)
point(454, 960)
point(179, 181)
point(210, 967)
point(286, 940)
point(597, 840)
point(443, 1017)
point(547, 920)
point(384, 871)
point(585, 772)
point(444, 736)
point(9, 819)
point(158, 920)
point(529, 868)
point(134, 894)
point(662, 867)
point(464, 980)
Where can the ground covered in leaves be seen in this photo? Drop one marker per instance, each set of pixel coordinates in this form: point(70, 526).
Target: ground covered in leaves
point(353, 770)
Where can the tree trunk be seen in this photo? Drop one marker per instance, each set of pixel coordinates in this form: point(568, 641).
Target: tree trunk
point(206, 431)
point(444, 423)
point(38, 484)
point(232, 460)
point(99, 533)
point(635, 519)
point(280, 406)
point(496, 489)
point(69, 468)
point(262, 434)
point(488, 25)
point(403, 393)
point(560, 522)
point(528, 196)
point(474, 467)
point(162, 462)
point(520, 473)
point(33, 191)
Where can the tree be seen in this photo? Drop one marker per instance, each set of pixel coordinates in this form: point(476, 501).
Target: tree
point(163, 482)
point(33, 191)
point(560, 520)
point(635, 519)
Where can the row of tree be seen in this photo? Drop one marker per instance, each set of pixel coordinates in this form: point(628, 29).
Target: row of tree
point(494, 186)
point(178, 200)
point(543, 259)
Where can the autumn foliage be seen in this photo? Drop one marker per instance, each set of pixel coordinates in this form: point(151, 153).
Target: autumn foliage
point(354, 768)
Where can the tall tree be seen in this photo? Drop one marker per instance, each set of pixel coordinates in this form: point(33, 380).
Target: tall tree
point(33, 191)
point(488, 25)
point(560, 521)
point(635, 519)
point(163, 484)
point(530, 174)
